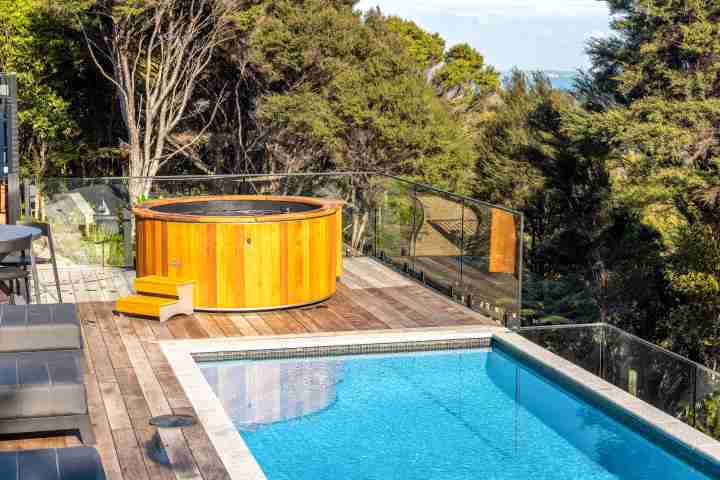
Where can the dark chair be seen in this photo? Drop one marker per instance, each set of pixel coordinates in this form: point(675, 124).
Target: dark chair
point(14, 274)
point(23, 261)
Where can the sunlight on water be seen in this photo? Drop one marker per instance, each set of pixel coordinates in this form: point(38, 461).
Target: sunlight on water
point(447, 416)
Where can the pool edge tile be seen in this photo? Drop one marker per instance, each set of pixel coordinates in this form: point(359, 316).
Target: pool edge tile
point(237, 458)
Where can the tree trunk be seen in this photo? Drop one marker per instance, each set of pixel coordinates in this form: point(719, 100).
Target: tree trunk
point(359, 224)
point(158, 56)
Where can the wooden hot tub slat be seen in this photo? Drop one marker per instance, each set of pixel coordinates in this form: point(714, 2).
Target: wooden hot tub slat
point(246, 265)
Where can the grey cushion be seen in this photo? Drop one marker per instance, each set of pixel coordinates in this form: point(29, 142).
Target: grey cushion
point(41, 384)
point(75, 463)
point(27, 328)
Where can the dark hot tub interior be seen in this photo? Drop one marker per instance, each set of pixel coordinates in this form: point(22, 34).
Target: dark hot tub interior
point(229, 208)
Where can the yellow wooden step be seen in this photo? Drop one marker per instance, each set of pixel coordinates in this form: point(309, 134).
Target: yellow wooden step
point(144, 305)
point(158, 285)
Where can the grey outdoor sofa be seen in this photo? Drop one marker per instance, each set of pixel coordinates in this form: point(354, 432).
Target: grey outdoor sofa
point(74, 463)
point(41, 371)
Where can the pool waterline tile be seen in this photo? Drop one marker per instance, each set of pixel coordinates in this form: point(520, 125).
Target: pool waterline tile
point(240, 462)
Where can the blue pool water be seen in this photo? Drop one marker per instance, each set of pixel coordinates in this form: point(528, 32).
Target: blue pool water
point(455, 415)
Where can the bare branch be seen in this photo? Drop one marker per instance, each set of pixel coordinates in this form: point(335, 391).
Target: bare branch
point(159, 57)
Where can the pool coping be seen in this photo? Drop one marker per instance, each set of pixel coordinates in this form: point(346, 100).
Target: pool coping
point(240, 462)
point(600, 391)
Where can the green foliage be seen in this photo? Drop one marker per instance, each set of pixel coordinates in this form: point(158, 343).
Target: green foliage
point(425, 48)
point(663, 73)
point(654, 96)
point(590, 258)
point(707, 415)
point(246, 19)
point(693, 325)
point(670, 48)
point(44, 116)
point(60, 103)
point(350, 93)
point(131, 8)
point(465, 71)
point(557, 300)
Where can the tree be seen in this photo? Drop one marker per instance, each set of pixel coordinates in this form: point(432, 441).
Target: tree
point(345, 93)
point(693, 325)
point(159, 52)
point(348, 92)
point(654, 90)
point(464, 73)
point(61, 103)
point(587, 255)
point(427, 49)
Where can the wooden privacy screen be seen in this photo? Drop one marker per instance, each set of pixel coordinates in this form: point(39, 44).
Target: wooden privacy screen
point(3, 201)
point(503, 242)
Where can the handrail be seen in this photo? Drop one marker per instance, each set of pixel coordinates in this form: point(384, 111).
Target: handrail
point(242, 176)
point(213, 176)
point(456, 196)
point(640, 340)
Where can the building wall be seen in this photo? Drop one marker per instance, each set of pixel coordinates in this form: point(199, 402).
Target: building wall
point(10, 179)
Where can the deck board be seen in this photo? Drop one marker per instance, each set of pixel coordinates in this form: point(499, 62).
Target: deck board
point(129, 380)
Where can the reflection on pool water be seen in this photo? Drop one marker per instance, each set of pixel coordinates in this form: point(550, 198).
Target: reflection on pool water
point(453, 415)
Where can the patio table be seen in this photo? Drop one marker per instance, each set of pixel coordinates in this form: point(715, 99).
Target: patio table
point(10, 233)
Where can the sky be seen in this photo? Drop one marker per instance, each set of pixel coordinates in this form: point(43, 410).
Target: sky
point(528, 34)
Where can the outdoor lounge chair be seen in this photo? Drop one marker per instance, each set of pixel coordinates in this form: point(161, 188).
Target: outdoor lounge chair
point(32, 328)
point(41, 371)
point(73, 463)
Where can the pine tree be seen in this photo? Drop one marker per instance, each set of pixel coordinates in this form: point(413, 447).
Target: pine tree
point(655, 88)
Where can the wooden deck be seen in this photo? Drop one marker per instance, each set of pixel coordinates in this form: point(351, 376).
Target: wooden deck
point(128, 379)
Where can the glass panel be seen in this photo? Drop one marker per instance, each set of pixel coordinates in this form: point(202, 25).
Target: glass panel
point(653, 375)
point(707, 402)
point(491, 261)
point(396, 220)
point(581, 345)
point(657, 376)
point(363, 197)
point(438, 240)
point(89, 219)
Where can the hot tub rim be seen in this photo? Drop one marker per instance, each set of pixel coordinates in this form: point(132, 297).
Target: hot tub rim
point(326, 207)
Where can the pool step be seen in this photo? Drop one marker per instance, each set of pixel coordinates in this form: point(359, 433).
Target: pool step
point(158, 297)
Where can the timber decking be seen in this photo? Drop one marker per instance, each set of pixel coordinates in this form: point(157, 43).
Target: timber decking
point(129, 380)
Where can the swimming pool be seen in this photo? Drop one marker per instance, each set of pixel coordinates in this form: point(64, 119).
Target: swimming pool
point(448, 415)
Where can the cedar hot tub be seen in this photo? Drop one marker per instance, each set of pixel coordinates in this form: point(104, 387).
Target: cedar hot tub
point(243, 252)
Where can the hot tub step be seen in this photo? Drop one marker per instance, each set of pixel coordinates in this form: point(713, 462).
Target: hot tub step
point(157, 285)
point(161, 308)
point(159, 297)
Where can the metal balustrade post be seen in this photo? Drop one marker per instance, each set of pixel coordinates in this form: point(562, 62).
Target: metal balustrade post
point(413, 232)
point(127, 229)
point(26, 188)
point(603, 346)
point(521, 267)
point(462, 244)
point(693, 409)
